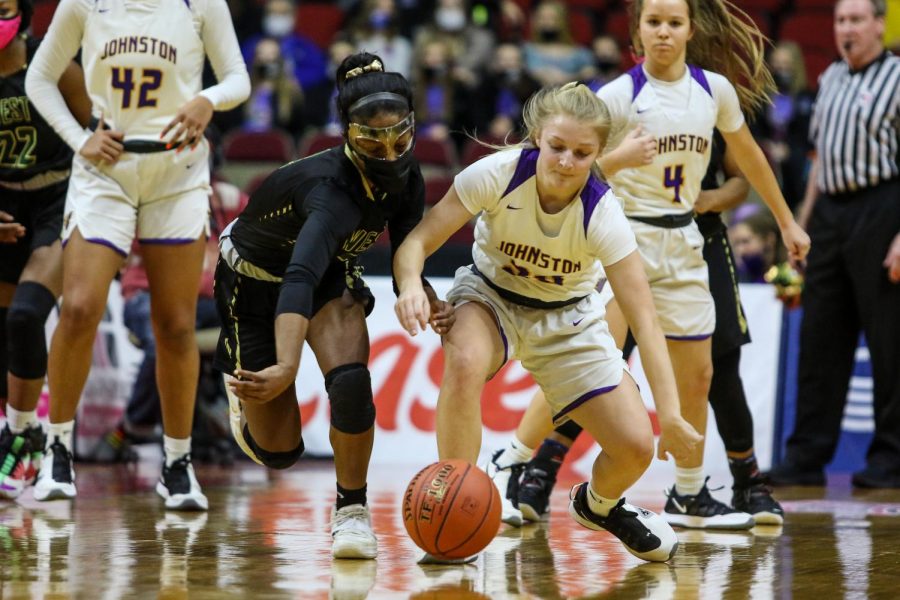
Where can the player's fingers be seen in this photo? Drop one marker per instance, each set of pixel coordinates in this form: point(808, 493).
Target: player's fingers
point(5, 216)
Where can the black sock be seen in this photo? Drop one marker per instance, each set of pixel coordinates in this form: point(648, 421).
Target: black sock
point(744, 470)
point(348, 497)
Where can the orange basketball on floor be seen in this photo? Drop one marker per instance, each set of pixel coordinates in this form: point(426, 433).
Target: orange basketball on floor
point(451, 509)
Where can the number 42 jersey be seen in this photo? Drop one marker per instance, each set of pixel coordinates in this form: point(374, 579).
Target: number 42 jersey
point(681, 115)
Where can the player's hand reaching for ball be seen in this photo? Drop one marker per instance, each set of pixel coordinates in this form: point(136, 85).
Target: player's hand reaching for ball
point(189, 124)
point(413, 309)
point(678, 438)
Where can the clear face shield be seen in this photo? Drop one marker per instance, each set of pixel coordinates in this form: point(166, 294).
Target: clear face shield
point(384, 151)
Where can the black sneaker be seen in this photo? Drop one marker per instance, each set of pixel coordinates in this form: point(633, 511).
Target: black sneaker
point(179, 486)
point(756, 499)
point(702, 511)
point(534, 492)
point(15, 463)
point(645, 534)
point(37, 438)
point(56, 479)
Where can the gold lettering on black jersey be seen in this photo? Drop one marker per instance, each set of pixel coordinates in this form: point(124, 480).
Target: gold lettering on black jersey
point(14, 110)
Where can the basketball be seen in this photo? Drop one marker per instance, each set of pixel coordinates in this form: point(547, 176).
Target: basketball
point(451, 509)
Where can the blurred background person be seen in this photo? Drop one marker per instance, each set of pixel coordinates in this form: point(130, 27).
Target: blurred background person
point(783, 128)
point(471, 46)
point(276, 100)
point(376, 29)
point(607, 61)
point(756, 241)
point(440, 101)
point(300, 53)
point(551, 55)
point(506, 85)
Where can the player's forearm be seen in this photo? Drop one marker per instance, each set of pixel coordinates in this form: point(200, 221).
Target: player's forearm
point(290, 333)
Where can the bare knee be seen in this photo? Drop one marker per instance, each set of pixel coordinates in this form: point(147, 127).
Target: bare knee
point(81, 313)
point(465, 366)
point(636, 453)
point(174, 331)
point(696, 386)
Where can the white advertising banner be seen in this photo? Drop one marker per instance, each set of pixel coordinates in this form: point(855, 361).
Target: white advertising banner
point(406, 374)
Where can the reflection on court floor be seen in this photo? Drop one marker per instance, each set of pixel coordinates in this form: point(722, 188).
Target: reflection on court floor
point(267, 536)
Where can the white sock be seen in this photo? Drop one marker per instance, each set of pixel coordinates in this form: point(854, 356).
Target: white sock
point(175, 448)
point(688, 482)
point(598, 504)
point(19, 420)
point(515, 453)
point(62, 432)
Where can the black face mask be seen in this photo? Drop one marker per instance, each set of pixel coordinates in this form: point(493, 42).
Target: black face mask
point(549, 35)
point(389, 176)
point(606, 65)
point(783, 80)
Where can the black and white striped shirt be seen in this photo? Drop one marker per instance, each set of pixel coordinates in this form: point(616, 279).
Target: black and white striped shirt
point(856, 125)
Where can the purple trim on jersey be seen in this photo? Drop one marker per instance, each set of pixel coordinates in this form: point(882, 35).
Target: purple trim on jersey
point(689, 338)
point(590, 198)
point(187, 3)
point(582, 399)
point(525, 169)
point(698, 74)
point(639, 79)
point(167, 241)
point(502, 334)
point(102, 242)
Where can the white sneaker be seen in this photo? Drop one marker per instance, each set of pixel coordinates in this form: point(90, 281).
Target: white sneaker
point(507, 481)
point(56, 479)
point(179, 486)
point(351, 531)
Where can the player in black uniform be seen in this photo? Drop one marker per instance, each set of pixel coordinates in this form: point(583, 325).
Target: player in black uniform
point(291, 259)
point(726, 393)
point(34, 172)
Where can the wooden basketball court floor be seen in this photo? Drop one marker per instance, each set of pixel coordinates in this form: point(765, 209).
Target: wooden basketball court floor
point(267, 536)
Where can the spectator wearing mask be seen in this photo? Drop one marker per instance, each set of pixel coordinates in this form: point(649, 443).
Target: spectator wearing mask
point(504, 89)
point(376, 29)
point(471, 46)
point(754, 236)
point(784, 125)
point(276, 100)
point(607, 61)
point(439, 100)
point(551, 55)
point(300, 53)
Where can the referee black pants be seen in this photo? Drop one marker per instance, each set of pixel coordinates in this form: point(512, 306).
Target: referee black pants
point(847, 290)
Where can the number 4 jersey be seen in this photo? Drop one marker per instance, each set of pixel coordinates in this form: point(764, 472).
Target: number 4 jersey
point(28, 145)
point(681, 116)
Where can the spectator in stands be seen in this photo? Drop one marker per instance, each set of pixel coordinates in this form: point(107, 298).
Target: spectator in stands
point(471, 46)
point(440, 100)
point(376, 29)
point(756, 241)
point(497, 109)
point(784, 126)
point(325, 113)
point(551, 55)
point(276, 100)
point(300, 53)
point(607, 61)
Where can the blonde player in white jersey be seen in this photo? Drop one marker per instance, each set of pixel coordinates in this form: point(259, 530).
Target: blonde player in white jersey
point(663, 113)
point(142, 172)
point(546, 230)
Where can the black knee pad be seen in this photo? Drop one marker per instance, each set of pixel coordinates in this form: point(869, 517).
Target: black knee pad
point(25, 321)
point(274, 460)
point(349, 390)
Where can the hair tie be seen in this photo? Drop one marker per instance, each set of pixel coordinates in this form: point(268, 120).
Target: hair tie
point(375, 65)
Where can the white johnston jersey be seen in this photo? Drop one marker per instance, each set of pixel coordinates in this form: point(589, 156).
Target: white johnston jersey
point(681, 116)
point(142, 60)
point(522, 249)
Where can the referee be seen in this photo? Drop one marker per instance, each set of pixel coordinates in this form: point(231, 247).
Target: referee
point(852, 206)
